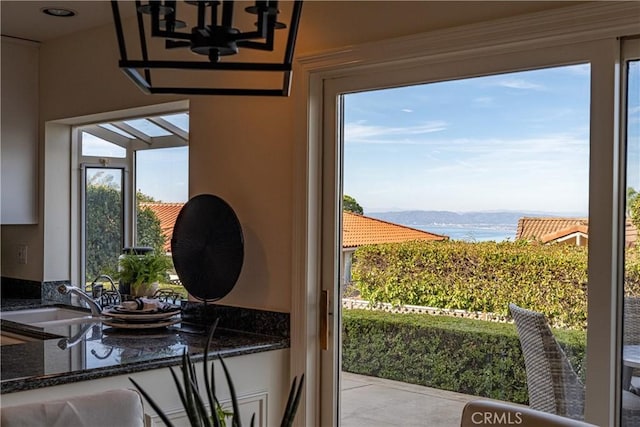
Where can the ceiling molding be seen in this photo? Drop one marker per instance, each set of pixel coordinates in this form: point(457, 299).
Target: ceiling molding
point(566, 25)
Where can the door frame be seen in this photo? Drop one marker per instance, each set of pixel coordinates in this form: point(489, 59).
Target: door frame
point(530, 41)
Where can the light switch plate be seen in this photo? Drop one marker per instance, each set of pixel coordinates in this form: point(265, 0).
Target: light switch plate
point(22, 254)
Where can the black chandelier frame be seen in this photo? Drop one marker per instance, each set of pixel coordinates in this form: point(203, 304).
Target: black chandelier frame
point(266, 26)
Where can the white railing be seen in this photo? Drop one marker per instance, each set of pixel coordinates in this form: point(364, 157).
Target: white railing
point(351, 303)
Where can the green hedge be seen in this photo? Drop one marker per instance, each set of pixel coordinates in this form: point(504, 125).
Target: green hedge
point(484, 276)
point(462, 355)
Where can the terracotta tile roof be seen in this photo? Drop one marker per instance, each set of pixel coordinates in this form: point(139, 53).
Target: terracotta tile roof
point(548, 229)
point(361, 230)
point(534, 228)
point(167, 213)
point(565, 232)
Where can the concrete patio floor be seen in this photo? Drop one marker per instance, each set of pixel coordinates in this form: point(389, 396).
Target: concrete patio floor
point(376, 402)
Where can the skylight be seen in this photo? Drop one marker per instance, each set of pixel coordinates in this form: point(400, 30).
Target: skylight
point(146, 127)
point(112, 128)
point(180, 120)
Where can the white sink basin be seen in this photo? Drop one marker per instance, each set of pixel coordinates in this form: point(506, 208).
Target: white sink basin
point(48, 316)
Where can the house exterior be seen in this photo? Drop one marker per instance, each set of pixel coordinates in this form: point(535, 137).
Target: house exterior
point(573, 231)
point(167, 213)
point(359, 230)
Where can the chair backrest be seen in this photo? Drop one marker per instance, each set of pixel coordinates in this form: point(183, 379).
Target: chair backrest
point(631, 321)
point(121, 407)
point(501, 414)
point(553, 385)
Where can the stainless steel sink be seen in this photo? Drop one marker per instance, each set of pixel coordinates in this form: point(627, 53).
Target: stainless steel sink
point(46, 316)
point(8, 338)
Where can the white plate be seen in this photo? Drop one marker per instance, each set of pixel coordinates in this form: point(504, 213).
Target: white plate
point(121, 309)
point(139, 316)
point(127, 325)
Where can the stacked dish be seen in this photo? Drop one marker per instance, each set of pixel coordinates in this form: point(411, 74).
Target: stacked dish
point(120, 316)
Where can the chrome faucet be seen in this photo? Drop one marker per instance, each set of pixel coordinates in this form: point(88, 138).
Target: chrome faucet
point(105, 296)
point(96, 310)
point(65, 343)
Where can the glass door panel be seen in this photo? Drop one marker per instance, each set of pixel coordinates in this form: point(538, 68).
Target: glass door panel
point(103, 220)
point(630, 412)
point(474, 196)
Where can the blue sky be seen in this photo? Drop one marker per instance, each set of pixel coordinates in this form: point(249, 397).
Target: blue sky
point(515, 141)
point(164, 174)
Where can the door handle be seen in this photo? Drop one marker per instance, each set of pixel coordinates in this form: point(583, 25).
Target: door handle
point(324, 320)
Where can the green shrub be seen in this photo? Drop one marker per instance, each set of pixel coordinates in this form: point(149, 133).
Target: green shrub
point(484, 277)
point(462, 355)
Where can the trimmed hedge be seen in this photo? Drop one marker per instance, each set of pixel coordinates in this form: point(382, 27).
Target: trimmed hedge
point(462, 355)
point(484, 276)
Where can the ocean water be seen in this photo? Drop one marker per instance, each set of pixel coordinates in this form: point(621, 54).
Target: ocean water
point(472, 232)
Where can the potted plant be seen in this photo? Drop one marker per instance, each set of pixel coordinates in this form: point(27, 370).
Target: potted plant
point(142, 272)
point(215, 415)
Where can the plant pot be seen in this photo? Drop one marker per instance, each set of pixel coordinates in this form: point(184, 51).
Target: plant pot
point(144, 290)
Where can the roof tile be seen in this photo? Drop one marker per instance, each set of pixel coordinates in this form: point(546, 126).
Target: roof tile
point(362, 230)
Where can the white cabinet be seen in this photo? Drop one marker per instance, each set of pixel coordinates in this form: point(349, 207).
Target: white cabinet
point(261, 381)
point(19, 132)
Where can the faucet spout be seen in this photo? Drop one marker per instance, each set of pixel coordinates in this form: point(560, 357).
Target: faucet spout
point(66, 343)
point(96, 310)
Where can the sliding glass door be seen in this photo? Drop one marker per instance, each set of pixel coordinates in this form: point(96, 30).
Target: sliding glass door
point(592, 299)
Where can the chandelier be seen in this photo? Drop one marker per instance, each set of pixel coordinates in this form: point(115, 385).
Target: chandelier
point(186, 47)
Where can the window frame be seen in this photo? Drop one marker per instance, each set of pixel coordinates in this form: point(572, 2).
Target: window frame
point(141, 141)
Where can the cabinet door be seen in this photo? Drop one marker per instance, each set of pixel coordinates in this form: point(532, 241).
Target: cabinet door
point(19, 132)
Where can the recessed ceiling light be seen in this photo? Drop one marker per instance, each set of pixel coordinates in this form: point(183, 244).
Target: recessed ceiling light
point(59, 12)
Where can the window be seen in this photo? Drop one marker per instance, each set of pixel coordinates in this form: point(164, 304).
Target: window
point(475, 195)
point(133, 171)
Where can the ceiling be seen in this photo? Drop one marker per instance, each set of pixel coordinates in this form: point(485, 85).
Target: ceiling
point(25, 20)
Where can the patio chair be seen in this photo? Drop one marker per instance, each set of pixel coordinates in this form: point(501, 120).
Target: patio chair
point(121, 407)
point(631, 336)
point(552, 383)
point(631, 331)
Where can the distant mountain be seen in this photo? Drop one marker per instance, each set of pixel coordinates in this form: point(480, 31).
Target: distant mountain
point(416, 218)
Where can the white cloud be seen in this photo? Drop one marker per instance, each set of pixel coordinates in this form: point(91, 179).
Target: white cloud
point(578, 69)
point(548, 172)
point(360, 132)
point(407, 110)
point(519, 84)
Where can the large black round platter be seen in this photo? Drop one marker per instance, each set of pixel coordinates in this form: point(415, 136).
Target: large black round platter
point(207, 247)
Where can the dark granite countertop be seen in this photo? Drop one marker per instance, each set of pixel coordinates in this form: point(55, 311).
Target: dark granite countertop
point(8, 304)
point(91, 350)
